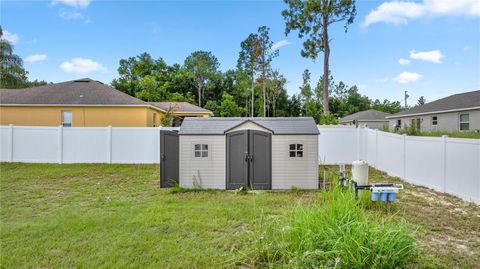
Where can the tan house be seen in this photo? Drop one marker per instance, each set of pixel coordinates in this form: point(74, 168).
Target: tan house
point(458, 112)
point(86, 103)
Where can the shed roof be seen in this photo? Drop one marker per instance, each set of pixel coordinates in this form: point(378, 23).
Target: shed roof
point(76, 92)
point(367, 115)
point(456, 102)
point(219, 126)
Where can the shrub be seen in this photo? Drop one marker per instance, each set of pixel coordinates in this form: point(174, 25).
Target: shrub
point(337, 233)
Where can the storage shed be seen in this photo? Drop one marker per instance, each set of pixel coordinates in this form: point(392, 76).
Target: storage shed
point(260, 153)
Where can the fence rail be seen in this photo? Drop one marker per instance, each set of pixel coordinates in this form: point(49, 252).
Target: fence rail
point(450, 165)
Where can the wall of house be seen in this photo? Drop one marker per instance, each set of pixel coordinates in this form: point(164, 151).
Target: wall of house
point(446, 121)
point(87, 116)
point(289, 172)
point(209, 172)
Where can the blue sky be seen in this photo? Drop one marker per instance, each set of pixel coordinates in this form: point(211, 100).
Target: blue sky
point(430, 47)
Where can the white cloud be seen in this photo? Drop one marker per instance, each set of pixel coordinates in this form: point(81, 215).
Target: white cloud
point(73, 15)
point(467, 48)
point(12, 38)
point(277, 45)
point(403, 61)
point(73, 3)
point(400, 12)
point(362, 87)
point(407, 77)
point(36, 58)
point(381, 80)
point(81, 66)
point(434, 56)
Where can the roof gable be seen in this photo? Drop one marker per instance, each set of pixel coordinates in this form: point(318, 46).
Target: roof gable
point(366, 115)
point(76, 92)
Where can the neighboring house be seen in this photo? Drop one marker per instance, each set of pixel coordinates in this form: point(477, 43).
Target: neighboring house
point(458, 112)
point(85, 103)
point(229, 153)
point(371, 118)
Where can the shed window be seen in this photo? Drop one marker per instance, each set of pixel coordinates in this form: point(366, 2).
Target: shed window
point(434, 120)
point(464, 122)
point(67, 118)
point(201, 150)
point(296, 150)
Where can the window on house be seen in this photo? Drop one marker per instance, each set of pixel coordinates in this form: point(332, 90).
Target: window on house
point(434, 120)
point(296, 150)
point(418, 123)
point(67, 118)
point(201, 150)
point(399, 124)
point(464, 122)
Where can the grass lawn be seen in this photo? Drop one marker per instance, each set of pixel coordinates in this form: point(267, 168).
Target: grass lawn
point(99, 215)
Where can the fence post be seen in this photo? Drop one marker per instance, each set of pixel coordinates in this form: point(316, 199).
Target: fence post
point(404, 138)
point(376, 149)
point(359, 145)
point(444, 162)
point(60, 144)
point(109, 144)
point(10, 144)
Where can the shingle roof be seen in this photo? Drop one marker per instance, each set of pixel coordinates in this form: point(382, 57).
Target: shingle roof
point(367, 115)
point(459, 101)
point(180, 107)
point(76, 92)
point(218, 126)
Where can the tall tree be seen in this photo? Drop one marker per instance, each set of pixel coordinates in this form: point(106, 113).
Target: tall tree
point(312, 18)
point(12, 73)
point(248, 59)
point(306, 94)
point(421, 101)
point(265, 58)
point(202, 65)
point(277, 87)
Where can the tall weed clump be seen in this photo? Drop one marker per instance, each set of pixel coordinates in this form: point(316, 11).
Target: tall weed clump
point(336, 233)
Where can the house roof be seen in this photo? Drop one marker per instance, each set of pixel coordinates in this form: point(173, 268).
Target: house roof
point(219, 126)
point(76, 92)
point(456, 102)
point(180, 107)
point(367, 115)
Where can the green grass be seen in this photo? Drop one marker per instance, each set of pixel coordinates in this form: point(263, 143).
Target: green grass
point(110, 216)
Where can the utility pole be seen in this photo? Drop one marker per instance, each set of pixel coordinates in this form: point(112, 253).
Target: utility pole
point(406, 97)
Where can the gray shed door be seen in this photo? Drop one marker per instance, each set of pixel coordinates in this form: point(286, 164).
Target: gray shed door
point(249, 160)
point(260, 160)
point(237, 160)
point(169, 158)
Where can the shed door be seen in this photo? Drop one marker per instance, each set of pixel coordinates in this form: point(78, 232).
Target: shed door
point(249, 160)
point(169, 159)
point(237, 160)
point(260, 160)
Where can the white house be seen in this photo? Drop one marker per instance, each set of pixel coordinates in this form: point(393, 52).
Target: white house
point(259, 153)
point(458, 112)
point(371, 118)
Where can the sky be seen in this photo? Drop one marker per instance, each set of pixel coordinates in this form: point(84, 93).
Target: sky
point(429, 48)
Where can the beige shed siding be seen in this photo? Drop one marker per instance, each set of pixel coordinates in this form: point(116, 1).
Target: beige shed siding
point(289, 172)
point(210, 172)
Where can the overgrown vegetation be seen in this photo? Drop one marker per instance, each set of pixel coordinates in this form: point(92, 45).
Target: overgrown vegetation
point(110, 216)
point(336, 232)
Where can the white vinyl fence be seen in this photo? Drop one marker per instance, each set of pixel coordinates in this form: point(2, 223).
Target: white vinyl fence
point(79, 145)
point(450, 165)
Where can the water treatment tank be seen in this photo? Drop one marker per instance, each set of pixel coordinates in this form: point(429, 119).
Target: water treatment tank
point(360, 172)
